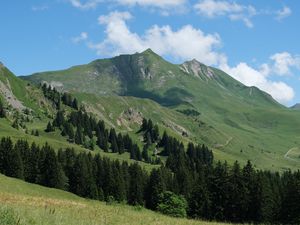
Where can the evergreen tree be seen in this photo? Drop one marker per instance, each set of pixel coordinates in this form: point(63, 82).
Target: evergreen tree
point(121, 147)
point(136, 185)
point(144, 126)
point(75, 104)
point(2, 110)
point(49, 127)
point(155, 187)
point(145, 155)
point(11, 162)
point(78, 136)
point(50, 171)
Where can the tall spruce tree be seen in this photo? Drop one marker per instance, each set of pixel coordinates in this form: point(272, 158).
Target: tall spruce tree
point(2, 110)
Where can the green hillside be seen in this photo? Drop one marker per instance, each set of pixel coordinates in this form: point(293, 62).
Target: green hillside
point(238, 122)
point(23, 203)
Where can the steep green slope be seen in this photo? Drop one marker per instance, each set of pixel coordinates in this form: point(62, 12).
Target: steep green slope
point(24, 203)
point(239, 122)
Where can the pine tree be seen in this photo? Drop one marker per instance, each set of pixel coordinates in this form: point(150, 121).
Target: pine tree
point(32, 171)
point(145, 155)
point(136, 185)
point(121, 147)
point(199, 201)
point(154, 188)
point(2, 110)
point(50, 171)
point(11, 161)
point(49, 127)
point(155, 133)
point(144, 126)
point(75, 104)
point(78, 136)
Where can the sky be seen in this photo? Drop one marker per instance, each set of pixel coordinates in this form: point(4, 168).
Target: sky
point(256, 42)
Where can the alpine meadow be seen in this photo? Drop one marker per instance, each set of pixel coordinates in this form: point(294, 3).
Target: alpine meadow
point(146, 121)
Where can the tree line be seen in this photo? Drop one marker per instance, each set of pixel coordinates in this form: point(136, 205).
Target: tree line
point(212, 191)
point(57, 98)
point(83, 129)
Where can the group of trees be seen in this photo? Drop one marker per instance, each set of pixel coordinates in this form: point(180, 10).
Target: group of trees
point(57, 98)
point(83, 129)
point(189, 184)
point(150, 131)
point(2, 110)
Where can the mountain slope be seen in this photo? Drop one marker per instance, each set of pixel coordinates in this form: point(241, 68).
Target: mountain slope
point(239, 122)
point(24, 203)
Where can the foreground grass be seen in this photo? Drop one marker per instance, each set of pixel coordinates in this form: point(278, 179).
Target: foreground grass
point(23, 203)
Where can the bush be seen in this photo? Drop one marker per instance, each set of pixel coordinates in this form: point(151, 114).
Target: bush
point(172, 204)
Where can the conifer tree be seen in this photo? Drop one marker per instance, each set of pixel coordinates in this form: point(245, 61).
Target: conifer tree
point(2, 110)
point(121, 147)
point(75, 104)
point(78, 136)
point(49, 127)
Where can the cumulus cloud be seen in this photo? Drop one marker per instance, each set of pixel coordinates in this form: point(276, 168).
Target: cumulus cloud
point(161, 4)
point(88, 4)
point(82, 37)
point(232, 10)
point(283, 62)
point(182, 44)
point(283, 13)
point(155, 3)
point(249, 76)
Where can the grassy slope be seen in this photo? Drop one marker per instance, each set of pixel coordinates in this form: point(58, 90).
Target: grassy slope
point(34, 204)
point(239, 122)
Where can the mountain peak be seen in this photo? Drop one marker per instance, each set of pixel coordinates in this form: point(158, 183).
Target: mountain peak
point(148, 50)
point(197, 69)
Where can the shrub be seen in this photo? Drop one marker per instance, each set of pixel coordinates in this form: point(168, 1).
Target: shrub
point(172, 204)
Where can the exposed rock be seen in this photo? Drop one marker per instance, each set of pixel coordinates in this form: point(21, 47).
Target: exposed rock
point(10, 98)
point(128, 117)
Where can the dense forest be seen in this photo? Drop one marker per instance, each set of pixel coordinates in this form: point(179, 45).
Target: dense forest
point(207, 190)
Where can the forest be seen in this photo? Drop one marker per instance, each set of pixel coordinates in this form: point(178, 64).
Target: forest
point(201, 187)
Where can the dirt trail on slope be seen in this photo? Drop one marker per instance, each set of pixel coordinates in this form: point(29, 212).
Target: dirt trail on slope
point(286, 156)
point(225, 144)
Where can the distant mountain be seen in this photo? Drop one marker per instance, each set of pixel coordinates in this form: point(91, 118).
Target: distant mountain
point(239, 122)
point(296, 106)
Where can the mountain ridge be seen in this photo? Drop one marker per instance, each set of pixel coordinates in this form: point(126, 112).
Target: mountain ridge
point(237, 121)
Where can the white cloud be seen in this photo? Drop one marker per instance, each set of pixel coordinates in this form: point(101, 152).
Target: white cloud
point(249, 76)
point(39, 8)
point(232, 10)
point(182, 44)
point(165, 5)
point(88, 4)
point(155, 3)
point(283, 13)
point(82, 37)
point(283, 62)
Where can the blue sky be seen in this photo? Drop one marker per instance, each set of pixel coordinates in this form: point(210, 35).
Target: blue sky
point(256, 42)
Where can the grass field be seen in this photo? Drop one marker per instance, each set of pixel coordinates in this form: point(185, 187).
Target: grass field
point(30, 204)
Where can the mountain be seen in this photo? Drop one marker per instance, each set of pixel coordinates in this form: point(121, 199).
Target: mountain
point(237, 121)
point(296, 106)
